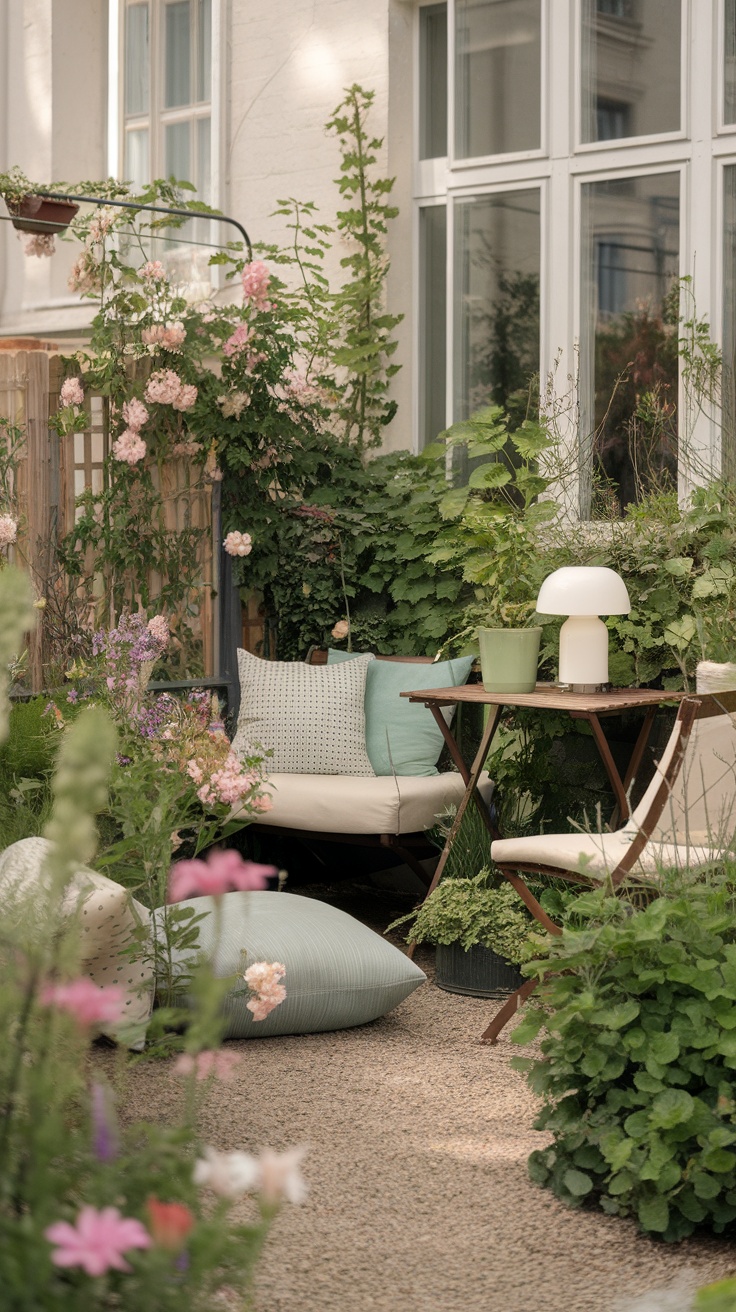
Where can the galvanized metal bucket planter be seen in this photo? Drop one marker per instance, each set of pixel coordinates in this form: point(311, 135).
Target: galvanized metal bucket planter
point(478, 972)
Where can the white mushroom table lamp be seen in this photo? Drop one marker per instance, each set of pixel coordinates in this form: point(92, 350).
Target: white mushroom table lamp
point(583, 593)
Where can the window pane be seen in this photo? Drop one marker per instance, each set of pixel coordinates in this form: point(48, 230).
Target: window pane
point(631, 68)
point(432, 320)
point(203, 179)
point(729, 90)
point(136, 59)
point(433, 82)
point(137, 165)
point(629, 349)
point(728, 381)
point(177, 54)
point(177, 155)
point(204, 49)
point(497, 76)
point(496, 311)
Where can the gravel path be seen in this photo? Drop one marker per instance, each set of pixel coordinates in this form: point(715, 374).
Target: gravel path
point(419, 1198)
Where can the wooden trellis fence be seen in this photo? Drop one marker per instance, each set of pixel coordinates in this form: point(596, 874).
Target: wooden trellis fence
point(52, 472)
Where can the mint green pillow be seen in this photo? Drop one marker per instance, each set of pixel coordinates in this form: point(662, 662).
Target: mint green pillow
point(339, 973)
point(402, 737)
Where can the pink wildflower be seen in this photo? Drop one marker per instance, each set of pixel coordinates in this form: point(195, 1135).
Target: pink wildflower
point(340, 630)
point(134, 414)
point(170, 1223)
point(222, 872)
point(98, 1240)
point(72, 392)
point(8, 530)
point(263, 978)
point(223, 1065)
point(129, 447)
point(194, 771)
point(264, 802)
point(39, 243)
point(229, 783)
point(101, 223)
point(238, 544)
point(153, 270)
point(256, 282)
point(87, 1003)
point(279, 1177)
point(85, 275)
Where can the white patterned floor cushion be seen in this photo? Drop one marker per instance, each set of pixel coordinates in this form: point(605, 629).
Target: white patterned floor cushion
point(312, 717)
point(107, 915)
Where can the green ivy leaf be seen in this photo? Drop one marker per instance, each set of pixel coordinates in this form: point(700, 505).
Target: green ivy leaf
point(673, 1107)
point(654, 1214)
point(577, 1183)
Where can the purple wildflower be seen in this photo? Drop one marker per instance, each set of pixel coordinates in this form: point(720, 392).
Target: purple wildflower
point(104, 1130)
point(72, 695)
point(124, 760)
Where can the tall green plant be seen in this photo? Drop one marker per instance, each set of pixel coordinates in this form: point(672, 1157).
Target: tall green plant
point(365, 326)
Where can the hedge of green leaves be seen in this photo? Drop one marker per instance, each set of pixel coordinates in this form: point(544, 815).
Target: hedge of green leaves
point(638, 1056)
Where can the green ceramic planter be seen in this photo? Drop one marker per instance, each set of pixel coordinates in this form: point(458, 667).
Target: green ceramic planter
point(509, 659)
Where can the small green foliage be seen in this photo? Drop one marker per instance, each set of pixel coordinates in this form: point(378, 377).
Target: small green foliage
point(472, 910)
point(638, 1048)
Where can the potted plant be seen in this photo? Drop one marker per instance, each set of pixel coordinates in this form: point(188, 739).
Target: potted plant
point(509, 656)
point(29, 210)
point(480, 932)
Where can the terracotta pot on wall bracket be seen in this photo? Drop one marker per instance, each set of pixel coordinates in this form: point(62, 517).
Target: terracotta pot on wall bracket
point(40, 214)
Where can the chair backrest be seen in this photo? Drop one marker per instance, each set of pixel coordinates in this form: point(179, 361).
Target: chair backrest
point(700, 802)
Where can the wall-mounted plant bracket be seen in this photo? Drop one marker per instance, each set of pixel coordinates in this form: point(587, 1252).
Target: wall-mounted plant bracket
point(153, 209)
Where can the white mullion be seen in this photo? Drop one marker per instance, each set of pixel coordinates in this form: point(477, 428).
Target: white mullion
point(451, 134)
point(114, 87)
point(450, 322)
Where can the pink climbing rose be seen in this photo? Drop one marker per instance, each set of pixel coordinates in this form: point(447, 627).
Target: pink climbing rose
point(238, 544)
point(340, 630)
point(8, 530)
point(222, 872)
point(85, 1001)
point(256, 282)
point(134, 414)
point(129, 447)
point(97, 1241)
point(153, 270)
point(72, 392)
point(165, 387)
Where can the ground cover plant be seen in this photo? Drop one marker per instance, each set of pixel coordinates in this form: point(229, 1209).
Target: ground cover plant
point(635, 1007)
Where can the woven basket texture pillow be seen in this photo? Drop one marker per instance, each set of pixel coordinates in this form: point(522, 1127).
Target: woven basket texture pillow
point(338, 972)
point(402, 737)
point(312, 717)
point(107, 917)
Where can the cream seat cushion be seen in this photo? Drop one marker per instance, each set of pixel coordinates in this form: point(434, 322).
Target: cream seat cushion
point(107, 916)
point(351, 804)
point(597, 855)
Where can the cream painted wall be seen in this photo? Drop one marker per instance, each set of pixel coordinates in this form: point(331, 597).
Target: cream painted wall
point(53, 57)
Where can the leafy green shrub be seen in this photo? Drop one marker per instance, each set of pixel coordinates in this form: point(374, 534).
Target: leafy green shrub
point(470, 911)
point(638, 1058)
point(29, 750)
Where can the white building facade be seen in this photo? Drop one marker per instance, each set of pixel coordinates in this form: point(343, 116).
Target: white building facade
point(560, 166)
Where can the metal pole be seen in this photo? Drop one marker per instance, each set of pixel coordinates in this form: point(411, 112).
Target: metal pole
point(153, 209)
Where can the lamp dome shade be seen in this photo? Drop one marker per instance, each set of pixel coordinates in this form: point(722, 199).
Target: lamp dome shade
point(583, 590)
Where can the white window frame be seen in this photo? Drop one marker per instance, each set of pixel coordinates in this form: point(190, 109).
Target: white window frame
point(700, 150)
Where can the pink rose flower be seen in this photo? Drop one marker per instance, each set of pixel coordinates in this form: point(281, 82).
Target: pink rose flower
point(153, 270)
point(263, 978)
point(222, 872)
point(72, 392)
point(41, 244)
point(186, 397)
point(238, 544)
point(341, 630)
point(159, 627)
point(88, 1004)
point(8, 530)
point(134, 414)
point(129, 447)
point(98, 1240)
point(256, 282)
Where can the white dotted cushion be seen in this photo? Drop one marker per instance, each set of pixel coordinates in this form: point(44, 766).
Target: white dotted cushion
point(312, 717)
point(107, 916)
point(338, 972)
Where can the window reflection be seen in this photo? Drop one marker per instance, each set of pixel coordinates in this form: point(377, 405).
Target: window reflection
point(629, 389)
point(631, 68)
point(497, 76)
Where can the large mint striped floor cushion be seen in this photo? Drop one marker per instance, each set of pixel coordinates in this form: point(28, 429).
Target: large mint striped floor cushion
point(338, 972)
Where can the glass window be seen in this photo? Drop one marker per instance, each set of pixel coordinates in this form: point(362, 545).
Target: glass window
point(136, 59)
point(177, 51)
point(204, 49)
point(433, 81)
point(432, 321)
point(496, 310)
point(203, 177)
point(629, 342)
point(631, 68)
point(177, 151)
point(136, 164)
point(729, 45)
point(728, 377)
point(498, 59)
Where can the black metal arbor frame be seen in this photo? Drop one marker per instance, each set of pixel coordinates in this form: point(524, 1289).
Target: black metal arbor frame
point(225, 595)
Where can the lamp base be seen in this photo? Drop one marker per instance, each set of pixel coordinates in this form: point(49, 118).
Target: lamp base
point(583, 652)
point(584, 687)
